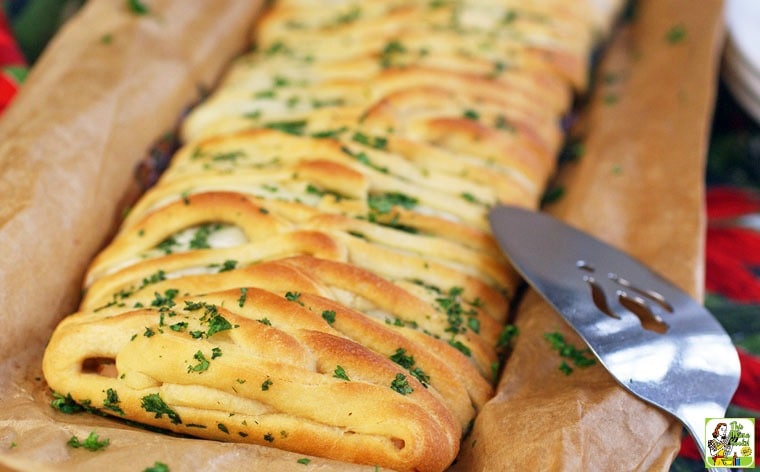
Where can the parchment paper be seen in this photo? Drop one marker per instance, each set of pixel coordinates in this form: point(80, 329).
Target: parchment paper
point(112, 82)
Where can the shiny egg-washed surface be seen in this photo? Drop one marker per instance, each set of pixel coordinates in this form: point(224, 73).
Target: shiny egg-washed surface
point(314, 271)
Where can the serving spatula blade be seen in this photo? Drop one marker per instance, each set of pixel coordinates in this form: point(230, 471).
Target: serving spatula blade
point(655, 339)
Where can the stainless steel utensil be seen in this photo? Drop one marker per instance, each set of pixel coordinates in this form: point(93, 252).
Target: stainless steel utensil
point(656, 340)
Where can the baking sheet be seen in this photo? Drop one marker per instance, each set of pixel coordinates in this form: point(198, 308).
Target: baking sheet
point(112, 82)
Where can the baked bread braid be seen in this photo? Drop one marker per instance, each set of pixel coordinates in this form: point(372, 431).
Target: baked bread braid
point(314, 271)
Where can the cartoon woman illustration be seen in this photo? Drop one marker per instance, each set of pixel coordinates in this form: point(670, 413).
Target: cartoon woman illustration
point(719, 446)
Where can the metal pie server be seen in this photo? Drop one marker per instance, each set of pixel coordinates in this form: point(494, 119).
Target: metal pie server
point(656, 340)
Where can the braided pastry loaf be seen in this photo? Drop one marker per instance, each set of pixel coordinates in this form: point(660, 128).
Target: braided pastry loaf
point(314, 271)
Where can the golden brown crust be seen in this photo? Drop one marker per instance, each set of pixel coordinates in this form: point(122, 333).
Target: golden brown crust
point(315, 270)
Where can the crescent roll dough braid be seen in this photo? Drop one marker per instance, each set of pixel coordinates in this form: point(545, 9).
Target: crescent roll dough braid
point(314, 271)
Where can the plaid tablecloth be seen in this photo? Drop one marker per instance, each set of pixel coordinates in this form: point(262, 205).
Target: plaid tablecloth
point(733, 236)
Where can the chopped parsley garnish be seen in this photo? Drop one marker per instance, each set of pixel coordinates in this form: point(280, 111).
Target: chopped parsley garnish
point(112, 402)
point(155, 278)
point(153, 403)
point(202, 365)
point(384, 203)
point(364, 159)
point(676, 34)
point(265, 94)
point(340, 373)
point(269, 437)
point(421, 376)
point(377, 142)
point(200, 238)
point(149, 332)
point(216, 352)
point(406, 361)
point(265, 385)
point(552, 194)
point(223, 428)
point(391, 51)
point(91, 443)
point(167, 245)
point(471, 115)
point(228, 265)
point(350, 16)
point(502, 123)
point(158, 467)
point(329, 316)
point(401, 385)
point(166, 300)
point(65, 404)
point(295, 127)
point(579, 357)
point(265, 321)
point(458, 345)
point(401, 358)
point(293, 297)
point(227, 156)
point(506, 336)
point(328, 133)
point(277, 47)
point(243, 295)
point(179, 326)
point(468, 197)
point(137, 7)
point(455, 313)
point(304, 460)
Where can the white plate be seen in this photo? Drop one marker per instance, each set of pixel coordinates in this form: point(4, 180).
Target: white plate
point(741, 57)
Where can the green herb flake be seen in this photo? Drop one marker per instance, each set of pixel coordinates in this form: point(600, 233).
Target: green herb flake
point(610, 98)
point(401, 358)
point(390, 52)
point(243, 296)
point(401, 385)
point(293, 297)
point(304, 460)
point(200, 238)
point(340, 373)
point(223, 428)
point(216, 324)
point(157, 467)
point(65, 404)
point(295, 127)
point(91, 443)
point(266, 384)
point(269, 437)
point(506, 336)
point(137, 7)
point(216, 352)
point(552, 195)
point(579, 357)
point(202, 365)
point(384, 203)
point(461, 347)
point(471, 115)
point(228, 265)
point(676, 34)
point(376, 142)
point(329, 316)
point(153, 403)
point(112, 402)
point(179, 326)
